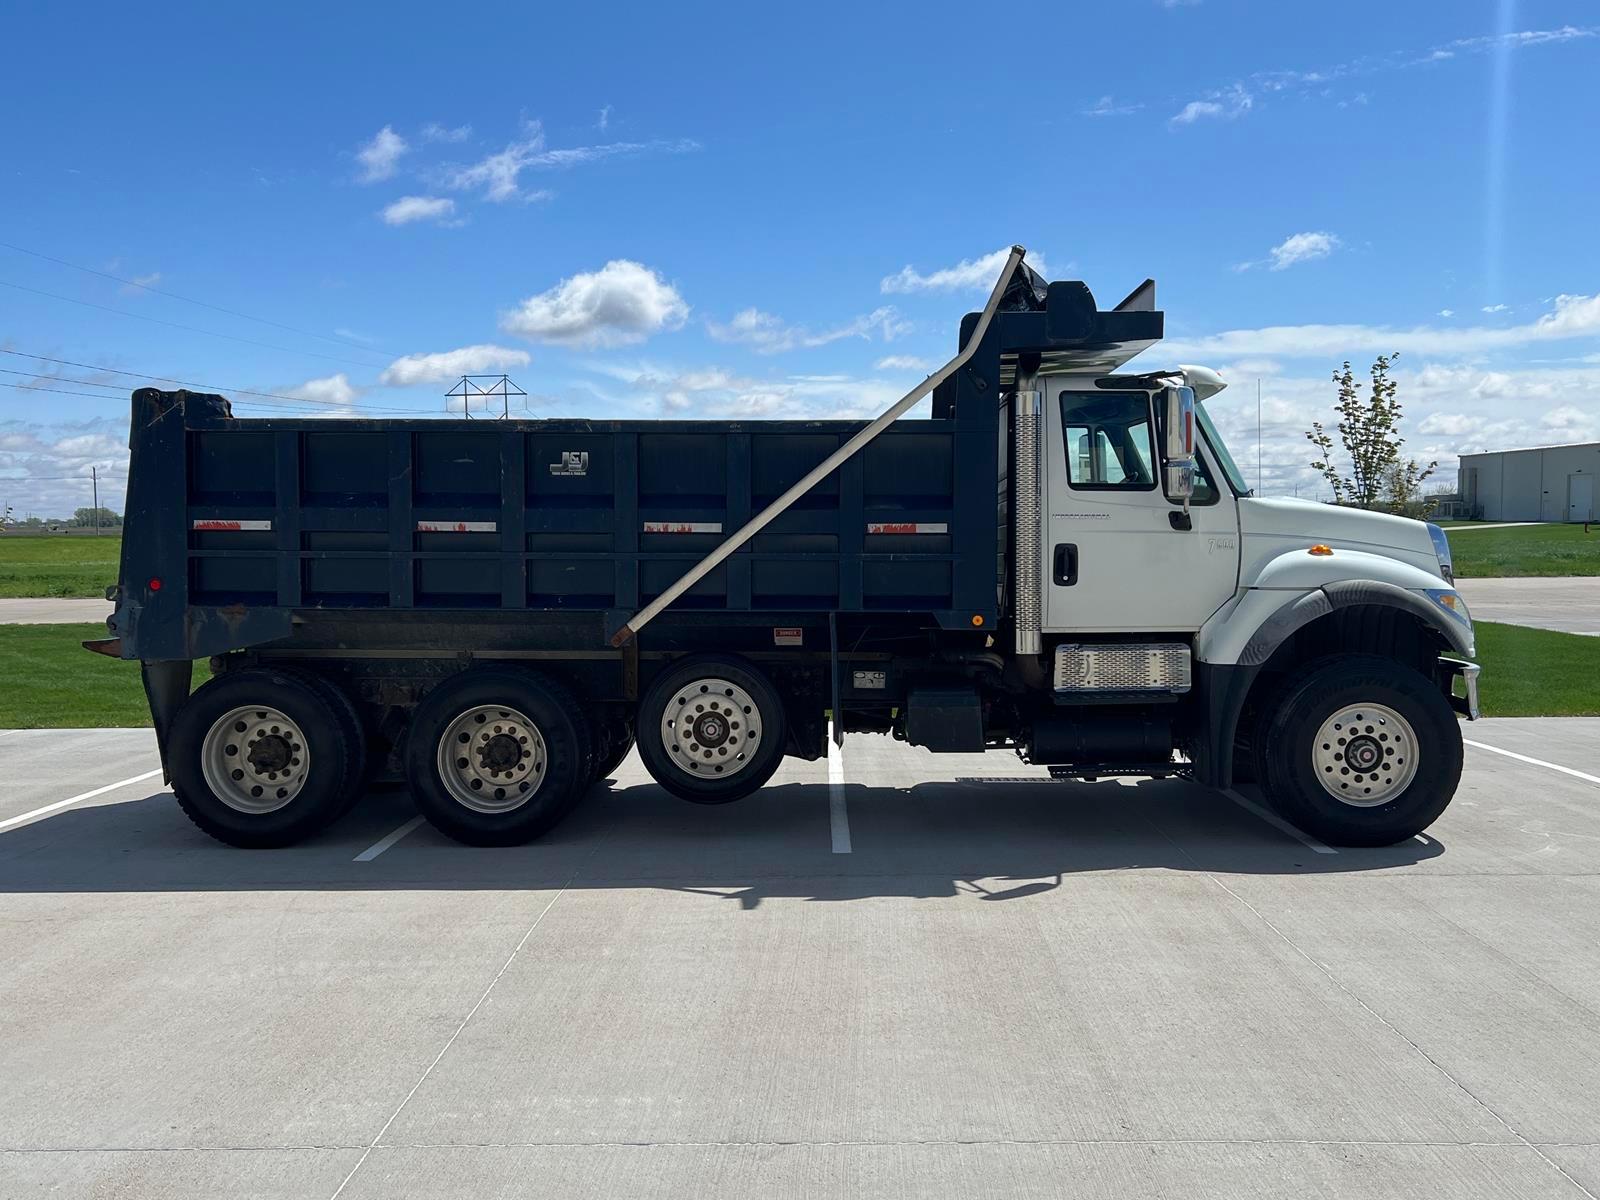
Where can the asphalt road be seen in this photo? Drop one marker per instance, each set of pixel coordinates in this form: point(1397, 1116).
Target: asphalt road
point(1570, 604)
point(939, 975)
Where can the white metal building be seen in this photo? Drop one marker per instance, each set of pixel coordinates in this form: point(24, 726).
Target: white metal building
point(1544, 483)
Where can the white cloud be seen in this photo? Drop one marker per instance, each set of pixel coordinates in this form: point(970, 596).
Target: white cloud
point(970, 274)
point(380, 158)
point(1107, 106)
point(903, 362)
point(1302, 247)
point(418, 208)
point(1494, 308)
point(1225, 104)
point(721, 393)
point(1571, 317)
point(621, 303)
point(603, 122)
point(447, 366)
point(433, 131)
point(499, 174)
point(1447, 313)
point(772, 335)
point(44, 470)
point(1297, 248)
point(139, 283)
point(331, 389)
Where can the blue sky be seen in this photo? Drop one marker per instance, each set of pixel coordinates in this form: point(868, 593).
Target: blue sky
point(700, 211)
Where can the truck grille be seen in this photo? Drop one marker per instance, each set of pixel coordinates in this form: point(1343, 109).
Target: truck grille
point(1123, 667)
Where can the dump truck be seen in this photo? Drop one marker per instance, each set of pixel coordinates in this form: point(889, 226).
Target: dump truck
point(1061, 561)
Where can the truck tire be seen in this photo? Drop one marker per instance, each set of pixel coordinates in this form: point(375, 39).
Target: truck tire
point(260, 758)
point(613, 743)
point(711, 729)
point(497, 756)
point(357, 777)
point(1361, 751)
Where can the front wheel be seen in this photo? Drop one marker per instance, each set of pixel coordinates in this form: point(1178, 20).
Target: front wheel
point(1361, 751)
point(711, 729)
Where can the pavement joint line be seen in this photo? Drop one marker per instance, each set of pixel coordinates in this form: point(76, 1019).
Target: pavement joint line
point(89, 795)
point(1538, 762)
point(838, 812)
point(388, 840)
point(765, 1142)
point(1328, 974)
point(471, 1012)
point(1278, 823)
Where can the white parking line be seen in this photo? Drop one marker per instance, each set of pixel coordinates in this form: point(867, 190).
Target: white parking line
point(1277, 822)
point(1538, 762)
point(838, 815)
point(383, 843)
point(60, 804)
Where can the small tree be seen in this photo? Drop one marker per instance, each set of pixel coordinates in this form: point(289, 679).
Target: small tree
point(1368, 428)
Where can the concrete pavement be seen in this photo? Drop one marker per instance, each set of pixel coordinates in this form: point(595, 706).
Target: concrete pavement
point(1008, 987)
point(1570, 604)
point(53, 611)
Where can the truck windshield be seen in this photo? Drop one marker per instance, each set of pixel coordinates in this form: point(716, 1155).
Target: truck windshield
point(1220, 449)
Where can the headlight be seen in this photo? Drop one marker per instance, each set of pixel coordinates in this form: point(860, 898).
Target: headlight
point(1441, 548)
point(1452, 602)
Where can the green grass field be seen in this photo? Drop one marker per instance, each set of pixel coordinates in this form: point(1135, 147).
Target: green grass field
point(48, 680)
point(1525, 550)
point(58, 566)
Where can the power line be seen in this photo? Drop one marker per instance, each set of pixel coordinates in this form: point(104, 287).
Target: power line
point(26, 387)
point(191, 300)
point(186, 328)
point(210, 387)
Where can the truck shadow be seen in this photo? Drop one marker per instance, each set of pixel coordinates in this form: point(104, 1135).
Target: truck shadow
point(993, 840)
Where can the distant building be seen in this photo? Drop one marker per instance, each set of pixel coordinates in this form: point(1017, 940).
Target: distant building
point(1544, 483)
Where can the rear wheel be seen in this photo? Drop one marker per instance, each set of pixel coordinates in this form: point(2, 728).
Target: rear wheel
point(613, 743)
point(1362, 751)
point(711, 729)
point(355, 733)
point(497, 757)
point(260, 758)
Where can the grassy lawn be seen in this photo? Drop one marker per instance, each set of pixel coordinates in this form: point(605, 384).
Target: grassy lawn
point(1526, 550)
point(58, 566)
point(48, 680)
point(1537, 672)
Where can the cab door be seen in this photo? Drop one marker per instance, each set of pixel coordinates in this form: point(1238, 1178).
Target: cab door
point(1116, 556)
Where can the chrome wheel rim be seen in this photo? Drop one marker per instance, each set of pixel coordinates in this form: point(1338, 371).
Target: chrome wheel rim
point(492, 759)
point(1365, 755)
point(711, 728)
point(255, 759)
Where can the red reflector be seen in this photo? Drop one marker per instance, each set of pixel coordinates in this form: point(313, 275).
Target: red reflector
point(155, 585)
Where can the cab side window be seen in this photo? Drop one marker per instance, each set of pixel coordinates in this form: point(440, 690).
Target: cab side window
point(1109, 442)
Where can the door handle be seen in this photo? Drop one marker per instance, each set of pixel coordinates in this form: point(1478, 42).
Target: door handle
point(1066, 568)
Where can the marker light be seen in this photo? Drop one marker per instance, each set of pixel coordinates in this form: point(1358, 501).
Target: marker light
point(155, 585)
point(1320, 550)
point(977, 619)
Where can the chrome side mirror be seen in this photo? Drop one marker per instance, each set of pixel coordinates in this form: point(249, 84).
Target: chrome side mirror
point(1177, 444)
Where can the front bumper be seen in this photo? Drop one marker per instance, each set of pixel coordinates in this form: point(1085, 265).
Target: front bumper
point(1466, 705)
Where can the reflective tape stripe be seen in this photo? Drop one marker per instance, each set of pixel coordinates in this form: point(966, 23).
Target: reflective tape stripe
point(683, 527)
point(230, 526)
point(907, 527)
point(457, 526)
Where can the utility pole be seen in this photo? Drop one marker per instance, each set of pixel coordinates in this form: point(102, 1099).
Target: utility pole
point(94, 480)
